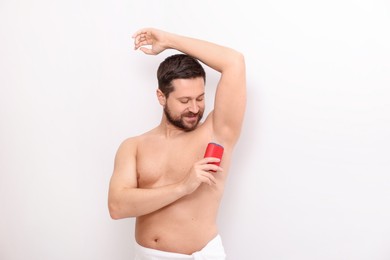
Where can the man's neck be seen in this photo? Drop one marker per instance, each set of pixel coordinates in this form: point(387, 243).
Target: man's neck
point(169, 130)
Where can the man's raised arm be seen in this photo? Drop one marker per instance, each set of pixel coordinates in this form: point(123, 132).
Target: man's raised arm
point(230, 98)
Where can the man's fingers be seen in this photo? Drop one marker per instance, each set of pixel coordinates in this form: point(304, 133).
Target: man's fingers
point(146, 50)
point(210, 160)
point(141, 32)
point(211, 167)
point(209, 178)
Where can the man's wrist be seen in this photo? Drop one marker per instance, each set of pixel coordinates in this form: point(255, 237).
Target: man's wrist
point(180, 189)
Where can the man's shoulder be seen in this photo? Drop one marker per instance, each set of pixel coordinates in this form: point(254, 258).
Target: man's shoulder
point(128, 146)
point(133, 141)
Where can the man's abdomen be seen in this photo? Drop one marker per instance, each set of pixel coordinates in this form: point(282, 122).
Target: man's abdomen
point(185, 226)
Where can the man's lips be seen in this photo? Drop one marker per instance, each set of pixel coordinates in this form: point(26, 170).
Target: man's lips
point(191, 117)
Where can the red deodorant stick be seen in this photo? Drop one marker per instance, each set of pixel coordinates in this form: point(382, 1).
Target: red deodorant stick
point(214, 150)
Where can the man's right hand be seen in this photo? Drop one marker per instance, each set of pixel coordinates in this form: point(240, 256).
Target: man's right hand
point(200, 173)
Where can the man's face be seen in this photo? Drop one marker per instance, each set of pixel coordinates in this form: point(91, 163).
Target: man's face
point(185, 106)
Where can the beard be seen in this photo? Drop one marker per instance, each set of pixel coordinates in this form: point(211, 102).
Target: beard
point(179, 121)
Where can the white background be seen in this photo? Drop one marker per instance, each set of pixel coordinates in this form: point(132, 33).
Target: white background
point(311, 174)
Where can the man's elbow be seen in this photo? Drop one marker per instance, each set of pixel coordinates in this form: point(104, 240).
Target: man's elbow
point(236, 62)
point(117, 212)
point(239, 58)
point(114, 211)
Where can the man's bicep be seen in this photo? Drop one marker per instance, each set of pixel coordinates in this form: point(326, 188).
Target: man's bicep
point(123, 179)
point(125, 171)
point(229, 104)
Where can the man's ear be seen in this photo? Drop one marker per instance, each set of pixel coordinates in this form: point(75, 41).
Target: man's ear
point(161, 97)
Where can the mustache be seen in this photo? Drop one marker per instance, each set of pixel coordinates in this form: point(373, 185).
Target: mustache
point(191, 114)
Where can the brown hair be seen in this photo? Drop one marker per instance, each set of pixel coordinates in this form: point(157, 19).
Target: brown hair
point(178, 66)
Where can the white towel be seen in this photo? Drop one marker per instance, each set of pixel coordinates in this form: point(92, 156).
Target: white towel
point(212, 251)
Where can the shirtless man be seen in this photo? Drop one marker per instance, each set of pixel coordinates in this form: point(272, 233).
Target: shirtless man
point(160, 177)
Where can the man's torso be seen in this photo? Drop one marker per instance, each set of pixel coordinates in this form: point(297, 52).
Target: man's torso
point(186, 225)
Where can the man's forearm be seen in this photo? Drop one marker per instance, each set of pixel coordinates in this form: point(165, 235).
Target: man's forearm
point(213, 55)
point(134, 202)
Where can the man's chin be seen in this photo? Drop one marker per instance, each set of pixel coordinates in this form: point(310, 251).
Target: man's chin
point(190, 127)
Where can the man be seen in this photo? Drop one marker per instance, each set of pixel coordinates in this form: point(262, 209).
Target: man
point(160, 177)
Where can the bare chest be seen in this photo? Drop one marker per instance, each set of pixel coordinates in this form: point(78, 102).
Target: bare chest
point(163, 163)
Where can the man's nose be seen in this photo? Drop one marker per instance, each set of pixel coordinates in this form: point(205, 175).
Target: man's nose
point(194, 108)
